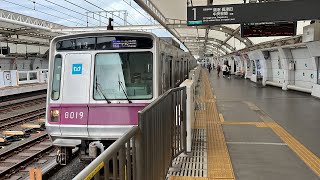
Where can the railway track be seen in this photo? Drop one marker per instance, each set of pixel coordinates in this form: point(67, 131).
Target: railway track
point(22, 117)
point(31, 149)
point(22, 110)
point(18, 158)
point(9, 106)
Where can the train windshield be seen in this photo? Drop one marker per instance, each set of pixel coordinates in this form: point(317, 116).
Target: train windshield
point(124, 74)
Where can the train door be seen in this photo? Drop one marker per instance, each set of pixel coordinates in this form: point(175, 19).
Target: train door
point(75, 94)
point(164, 74)
point(170, 61)
point(7, 78)
point(318, 63)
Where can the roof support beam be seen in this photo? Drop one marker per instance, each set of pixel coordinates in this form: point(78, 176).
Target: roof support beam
point(211, 51)
point(230, 36)
point(210, 45)
point(214, 47)
point(206, 39)
point(153, 11)
point(210, 40)
point(176, 24)
point(20, 19)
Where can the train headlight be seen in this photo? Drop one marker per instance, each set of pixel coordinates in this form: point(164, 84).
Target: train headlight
point(55, 115)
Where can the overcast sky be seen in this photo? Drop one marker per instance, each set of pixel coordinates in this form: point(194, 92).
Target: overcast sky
point(73, 12)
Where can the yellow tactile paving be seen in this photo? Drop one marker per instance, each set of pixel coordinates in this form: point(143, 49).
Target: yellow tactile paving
point(186, 178)
point(219, 163)
point(200, 123)
point(221, 118)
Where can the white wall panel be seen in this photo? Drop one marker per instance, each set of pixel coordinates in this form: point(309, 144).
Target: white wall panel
point(304, 68)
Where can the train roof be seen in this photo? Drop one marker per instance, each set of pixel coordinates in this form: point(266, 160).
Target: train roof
point(103, 33)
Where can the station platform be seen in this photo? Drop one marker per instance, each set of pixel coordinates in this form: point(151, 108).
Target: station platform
point(23, 88)
point(245, 131)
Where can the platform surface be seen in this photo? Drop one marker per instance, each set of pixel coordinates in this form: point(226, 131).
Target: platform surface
point(25, 88)
point(268, 133)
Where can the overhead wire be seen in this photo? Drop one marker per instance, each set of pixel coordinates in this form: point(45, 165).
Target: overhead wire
point(116, 10)
point(39, 11)
point(86, 9)
point(129, 4)
point(104, 10)
point(56, 10)
point(72, 10)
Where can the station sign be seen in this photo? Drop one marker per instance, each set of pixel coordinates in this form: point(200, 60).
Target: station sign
point(268, 29)
point(253, 12)
point(208, 55)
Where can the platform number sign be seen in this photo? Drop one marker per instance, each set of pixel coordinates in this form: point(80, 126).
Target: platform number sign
point(76, 68)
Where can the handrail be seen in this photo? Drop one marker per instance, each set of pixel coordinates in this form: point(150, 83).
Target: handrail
point(146, 152)
point(92, 170)
point(160, 98)
point(163, 134)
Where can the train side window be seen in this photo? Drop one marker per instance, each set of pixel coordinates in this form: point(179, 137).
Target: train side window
point(177, 72)
point(56, 78)
point(171, 72)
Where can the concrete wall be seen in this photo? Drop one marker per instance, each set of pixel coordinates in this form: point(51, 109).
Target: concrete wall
point(305, 73)
point(21, 63)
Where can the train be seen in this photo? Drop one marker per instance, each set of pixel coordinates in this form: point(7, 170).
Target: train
point(98, 81)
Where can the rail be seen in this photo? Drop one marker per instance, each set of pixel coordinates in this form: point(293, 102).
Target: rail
point(146, 151)
point(163, 132)
point(124, 150)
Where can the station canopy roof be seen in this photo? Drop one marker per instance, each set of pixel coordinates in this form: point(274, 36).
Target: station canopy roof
point(218, 40)
point(16, 27)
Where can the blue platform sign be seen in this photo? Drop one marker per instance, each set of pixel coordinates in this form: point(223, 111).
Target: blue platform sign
point(76, 68)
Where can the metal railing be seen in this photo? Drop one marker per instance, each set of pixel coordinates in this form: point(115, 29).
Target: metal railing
point(35, 76)
point(146, 152)
point(121, 155)
point(163, 133)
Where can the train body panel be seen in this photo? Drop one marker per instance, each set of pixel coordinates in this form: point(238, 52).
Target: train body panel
point(100, 81)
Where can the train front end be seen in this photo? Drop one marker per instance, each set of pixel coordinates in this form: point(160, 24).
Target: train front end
point(98, 82)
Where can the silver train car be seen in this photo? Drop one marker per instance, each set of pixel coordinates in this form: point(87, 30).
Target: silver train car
point(99, 81)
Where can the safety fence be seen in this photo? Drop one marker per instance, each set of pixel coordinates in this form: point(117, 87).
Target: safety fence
point(146, 151)
point(36, 76)
point(15, 78)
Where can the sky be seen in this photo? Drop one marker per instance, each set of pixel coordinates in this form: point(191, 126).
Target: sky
point(76, 12)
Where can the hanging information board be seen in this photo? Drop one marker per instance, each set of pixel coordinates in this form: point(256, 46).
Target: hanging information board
point(253, 12)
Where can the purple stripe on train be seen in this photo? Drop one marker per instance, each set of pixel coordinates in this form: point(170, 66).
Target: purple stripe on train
point(97, 114)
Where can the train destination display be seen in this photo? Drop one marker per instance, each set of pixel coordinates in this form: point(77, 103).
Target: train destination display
point(253, 12)
point(268, 29)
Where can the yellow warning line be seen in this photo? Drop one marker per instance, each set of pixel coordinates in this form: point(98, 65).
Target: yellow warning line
point(219, 162)
point(309, 158)
point(304, 153)
point(221, 118)
point(258, 124)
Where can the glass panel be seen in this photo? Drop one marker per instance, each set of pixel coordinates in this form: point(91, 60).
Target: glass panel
point(124, 42)
point(253, 67)
point(85, 43)
point(23, 76)
point(318, 70)
point(69, 44)
point(105, 43)
point(33, 76)
point(56, 78)
point(118, 74)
